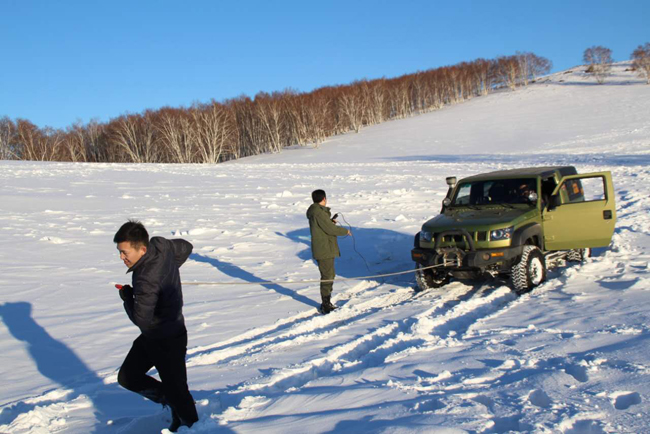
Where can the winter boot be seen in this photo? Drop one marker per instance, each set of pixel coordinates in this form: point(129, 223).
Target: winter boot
point(327, 306)
point(177, 422)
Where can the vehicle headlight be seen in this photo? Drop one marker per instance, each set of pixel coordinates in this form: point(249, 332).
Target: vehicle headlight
point(501, 234)
point(426, 236)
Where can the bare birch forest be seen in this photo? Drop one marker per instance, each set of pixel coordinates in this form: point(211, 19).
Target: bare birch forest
point(220, 131)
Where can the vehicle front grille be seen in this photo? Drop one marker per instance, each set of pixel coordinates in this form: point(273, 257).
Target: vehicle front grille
point(476, 236)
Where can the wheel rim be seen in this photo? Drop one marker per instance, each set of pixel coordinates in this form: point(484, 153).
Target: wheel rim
point(536, 270)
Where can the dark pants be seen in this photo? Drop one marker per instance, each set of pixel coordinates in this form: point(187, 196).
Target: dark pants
point(326, 268)
point(168, 357)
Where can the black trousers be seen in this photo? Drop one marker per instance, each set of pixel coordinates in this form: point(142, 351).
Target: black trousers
point(168, 357)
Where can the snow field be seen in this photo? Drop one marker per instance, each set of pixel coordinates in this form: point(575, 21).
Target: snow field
point(569, 357)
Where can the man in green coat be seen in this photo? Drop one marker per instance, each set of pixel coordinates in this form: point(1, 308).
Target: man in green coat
point(324, 247)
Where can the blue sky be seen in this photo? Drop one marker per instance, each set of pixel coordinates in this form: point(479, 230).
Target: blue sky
point(69, 60)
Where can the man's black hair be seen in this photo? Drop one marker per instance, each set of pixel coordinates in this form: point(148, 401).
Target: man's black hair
point(134, 232)
point(318, 195)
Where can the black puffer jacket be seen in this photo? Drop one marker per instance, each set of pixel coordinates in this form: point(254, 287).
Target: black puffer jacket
point(155, 304)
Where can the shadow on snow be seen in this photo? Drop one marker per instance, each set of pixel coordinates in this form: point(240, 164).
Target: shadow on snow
point(239, 273)
point(55, 361)
point(369, 252)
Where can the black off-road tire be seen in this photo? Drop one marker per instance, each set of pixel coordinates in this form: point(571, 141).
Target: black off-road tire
point(530, 271)
point(578, 255)
point(430, 278)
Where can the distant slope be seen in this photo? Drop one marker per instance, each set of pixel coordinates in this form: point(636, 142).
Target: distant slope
point(565, 112)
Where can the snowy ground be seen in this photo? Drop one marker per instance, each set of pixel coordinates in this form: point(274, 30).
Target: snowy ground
point(570, 357)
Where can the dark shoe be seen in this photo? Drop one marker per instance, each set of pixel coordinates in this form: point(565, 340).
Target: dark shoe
point(327, 306)
point(177, 422)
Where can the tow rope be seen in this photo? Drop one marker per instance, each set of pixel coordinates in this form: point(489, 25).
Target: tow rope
point(285, 282)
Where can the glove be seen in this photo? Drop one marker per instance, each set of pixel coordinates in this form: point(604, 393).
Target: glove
point(126, 292)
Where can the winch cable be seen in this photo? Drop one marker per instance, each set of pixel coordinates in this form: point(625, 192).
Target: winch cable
point(354, 246)
point(354, 242)
point(286, 282)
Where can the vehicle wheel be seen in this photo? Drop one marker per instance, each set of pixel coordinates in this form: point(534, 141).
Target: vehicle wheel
point(530, 271)
point(430, 278)
point(578, 255)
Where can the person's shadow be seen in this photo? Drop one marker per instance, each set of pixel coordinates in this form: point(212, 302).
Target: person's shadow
point(368, 252)
point(60, 364)
point(238, 273)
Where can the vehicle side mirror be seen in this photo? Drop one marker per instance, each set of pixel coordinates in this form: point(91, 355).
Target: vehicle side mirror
point(554, 202)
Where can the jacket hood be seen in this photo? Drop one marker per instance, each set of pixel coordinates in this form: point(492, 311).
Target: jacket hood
point(315, 208)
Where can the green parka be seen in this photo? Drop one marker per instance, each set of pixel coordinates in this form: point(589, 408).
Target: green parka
point(323, 233)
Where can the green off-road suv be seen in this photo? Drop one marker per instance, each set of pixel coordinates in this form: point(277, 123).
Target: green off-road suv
point(515, 223)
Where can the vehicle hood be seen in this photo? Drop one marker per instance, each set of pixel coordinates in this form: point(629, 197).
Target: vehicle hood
point(466, 218)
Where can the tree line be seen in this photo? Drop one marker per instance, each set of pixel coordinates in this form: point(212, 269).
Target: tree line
point(219, 131)
point(599, 60)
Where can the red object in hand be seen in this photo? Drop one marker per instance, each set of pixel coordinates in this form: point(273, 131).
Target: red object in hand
point(118, 286)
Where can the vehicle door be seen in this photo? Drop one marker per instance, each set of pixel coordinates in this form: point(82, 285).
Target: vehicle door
point(581, 212)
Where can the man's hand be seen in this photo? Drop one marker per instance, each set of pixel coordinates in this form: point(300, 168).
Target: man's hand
point(349, 233)
point(126, 291)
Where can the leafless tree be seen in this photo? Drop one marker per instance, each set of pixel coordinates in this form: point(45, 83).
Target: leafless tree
point(600, 62)
point(96, 141)
point(539, 65)
point(480, 70)
point(399, 98)
point(641, 61)
point(214, 132)
point(351, 106)
point(76, 144)
point(8, 143)
point(269, 110)
point(317, 111)
point(531, 66)
point(38, 144)
point(176, 134)
point(507, 70)
point(251, 137)
point(133, 137)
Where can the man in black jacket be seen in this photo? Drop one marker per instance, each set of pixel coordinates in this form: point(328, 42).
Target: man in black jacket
point(154, 303)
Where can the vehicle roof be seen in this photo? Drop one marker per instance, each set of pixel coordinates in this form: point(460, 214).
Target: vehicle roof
point(544, 172)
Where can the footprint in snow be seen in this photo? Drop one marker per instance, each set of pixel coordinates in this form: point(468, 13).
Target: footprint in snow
point(625, 400)
point(539, 398)
point(577, 372)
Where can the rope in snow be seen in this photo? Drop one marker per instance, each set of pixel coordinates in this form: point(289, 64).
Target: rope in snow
point(285, 282)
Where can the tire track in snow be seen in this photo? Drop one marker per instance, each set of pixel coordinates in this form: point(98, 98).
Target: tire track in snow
point(298, 329)
point(450, 315)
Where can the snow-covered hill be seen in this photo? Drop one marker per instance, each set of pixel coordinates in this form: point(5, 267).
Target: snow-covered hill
point(571, 357)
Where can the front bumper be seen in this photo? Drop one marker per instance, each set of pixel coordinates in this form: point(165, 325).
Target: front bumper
point(462, 259)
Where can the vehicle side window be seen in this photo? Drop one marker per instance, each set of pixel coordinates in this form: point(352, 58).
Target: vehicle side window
point(584, 190)
point(462, 198)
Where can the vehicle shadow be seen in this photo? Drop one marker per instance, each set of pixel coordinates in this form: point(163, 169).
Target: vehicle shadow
point(368, 252)
point(238, 273)
point(55, 361)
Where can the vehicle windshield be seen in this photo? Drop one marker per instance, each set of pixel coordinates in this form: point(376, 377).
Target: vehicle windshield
point(495, 192)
